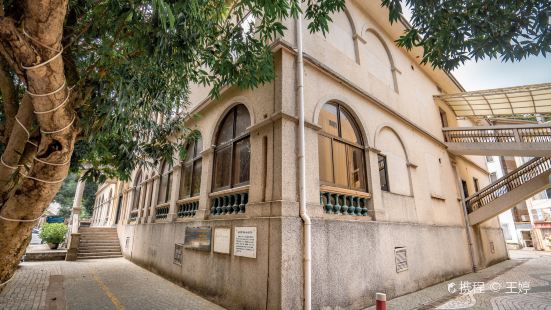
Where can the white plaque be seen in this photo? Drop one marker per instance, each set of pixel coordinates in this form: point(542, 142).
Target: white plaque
point(244, 243)
point(222, 240)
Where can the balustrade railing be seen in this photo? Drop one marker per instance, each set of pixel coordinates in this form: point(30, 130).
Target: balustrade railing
point(342, 203)
point(503, 134)
point(133, 215)
point(511, 181)
point(188, 209)
point(231, 203)
point(161, 212)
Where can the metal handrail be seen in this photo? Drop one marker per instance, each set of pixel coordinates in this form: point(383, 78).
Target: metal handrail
point(540, 133)
point(509, 182)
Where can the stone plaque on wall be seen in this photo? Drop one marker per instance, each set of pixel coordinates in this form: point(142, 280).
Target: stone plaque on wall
point(244, 243)
point(222, 240)
point(198, 238)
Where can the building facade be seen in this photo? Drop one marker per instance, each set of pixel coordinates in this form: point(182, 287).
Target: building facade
point(384, 194)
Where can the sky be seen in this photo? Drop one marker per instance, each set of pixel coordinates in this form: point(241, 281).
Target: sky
point(486, 74)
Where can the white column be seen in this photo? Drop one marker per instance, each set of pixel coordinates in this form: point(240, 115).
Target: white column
point(75, 211)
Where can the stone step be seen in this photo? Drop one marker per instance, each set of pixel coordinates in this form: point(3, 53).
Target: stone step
point(100, 247)
point(96, 251)
point(96, 244)
point(97, 237)
point(99, 256)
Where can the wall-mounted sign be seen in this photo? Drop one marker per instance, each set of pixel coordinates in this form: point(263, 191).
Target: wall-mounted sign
point(222, 240)
point(198, 238)
point(244, 243)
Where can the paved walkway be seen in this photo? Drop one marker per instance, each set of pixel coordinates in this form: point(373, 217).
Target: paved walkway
point(521, 283)
point(94, 284)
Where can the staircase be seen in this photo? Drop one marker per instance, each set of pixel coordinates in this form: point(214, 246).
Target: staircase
point(503, 194)
point(100, 242)
point(519, 140)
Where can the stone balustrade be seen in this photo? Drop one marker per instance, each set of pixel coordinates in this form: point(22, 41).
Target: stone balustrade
point(188, 209)
point(133, 215)
point(337, 202)
point(161, 212)
point(231, 203)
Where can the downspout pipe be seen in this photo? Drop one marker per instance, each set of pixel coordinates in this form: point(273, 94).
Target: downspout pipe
point(307, 223)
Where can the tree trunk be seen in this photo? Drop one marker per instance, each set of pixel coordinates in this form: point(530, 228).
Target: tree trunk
point(28, 190)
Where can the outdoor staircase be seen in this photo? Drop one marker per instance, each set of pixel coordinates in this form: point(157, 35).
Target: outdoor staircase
point(519, 140)
point(100, 242)
point(503, 194)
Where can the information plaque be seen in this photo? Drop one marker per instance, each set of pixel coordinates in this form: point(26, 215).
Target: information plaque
point(244, 243)
point(222, 240)
point(198, 238)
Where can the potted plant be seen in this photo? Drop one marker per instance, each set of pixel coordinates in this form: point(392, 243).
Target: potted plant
point(53, 234)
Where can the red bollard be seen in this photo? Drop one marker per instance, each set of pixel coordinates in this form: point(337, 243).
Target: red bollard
point(381, 301)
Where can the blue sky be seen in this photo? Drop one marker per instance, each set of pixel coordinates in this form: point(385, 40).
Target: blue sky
point(486, 74)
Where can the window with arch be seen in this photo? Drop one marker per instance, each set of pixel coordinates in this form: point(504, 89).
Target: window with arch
point(232, 153)
point(190, 182)
point(136, 193)
point(341, 150)
point(396, 163)
point(165, 183)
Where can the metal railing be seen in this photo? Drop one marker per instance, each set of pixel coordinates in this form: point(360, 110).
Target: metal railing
point(506, 184)
point(540, 133)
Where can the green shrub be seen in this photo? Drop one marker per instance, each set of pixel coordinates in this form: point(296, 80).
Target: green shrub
point(53, 232)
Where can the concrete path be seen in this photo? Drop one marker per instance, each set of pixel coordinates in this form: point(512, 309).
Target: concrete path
point(522, 283)
point(94, 284)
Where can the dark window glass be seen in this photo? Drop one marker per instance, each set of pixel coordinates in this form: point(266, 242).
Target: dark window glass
point(222, 177)
point(137, 190)
point(185, 183)
point(476, 185)
point(165, 183)
point(190, 182)
point(232, 154)
point(465, 189)
point(356, 167)
point(341, 158)
point(242, 155)
point(196, 184)
point(443, 118)
point(383, 173)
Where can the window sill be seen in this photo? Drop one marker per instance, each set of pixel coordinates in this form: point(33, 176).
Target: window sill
point(186, 200)
point(234, 190)
point(396, 194)
point(344, 191)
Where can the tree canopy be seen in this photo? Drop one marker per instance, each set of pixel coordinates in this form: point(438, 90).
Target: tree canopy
point(451, 32)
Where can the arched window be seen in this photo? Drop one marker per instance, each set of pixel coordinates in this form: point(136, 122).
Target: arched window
point(165, 184)
point(341, 34)
point(378, 60)
point(396, 174)
point(232, 153)
point(191, 170)
point(137, 190)
point(341, 154)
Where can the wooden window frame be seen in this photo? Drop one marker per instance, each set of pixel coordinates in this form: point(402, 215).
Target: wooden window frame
point(230, 144)
point(348, 145)
point(137, 192)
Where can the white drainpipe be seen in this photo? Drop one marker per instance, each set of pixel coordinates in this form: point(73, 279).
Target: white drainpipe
point(302, 170)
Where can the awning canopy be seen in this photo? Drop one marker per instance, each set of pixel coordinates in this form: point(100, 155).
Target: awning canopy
point(519, 100)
